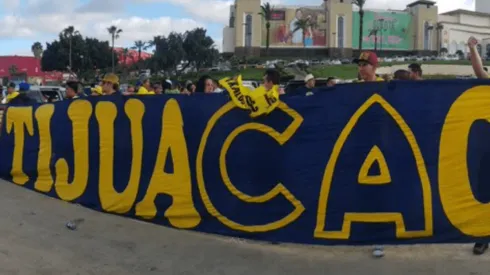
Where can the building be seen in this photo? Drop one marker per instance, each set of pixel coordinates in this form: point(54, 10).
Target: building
point(335, 31)
point(131, 56)
point(21, 68)
point(459, 25)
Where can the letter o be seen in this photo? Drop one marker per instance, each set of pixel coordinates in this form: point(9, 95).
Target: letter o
point(458, 201)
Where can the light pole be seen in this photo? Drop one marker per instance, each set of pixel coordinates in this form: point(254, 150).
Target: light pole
point(381, 37)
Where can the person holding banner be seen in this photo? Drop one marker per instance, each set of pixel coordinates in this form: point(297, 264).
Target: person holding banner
point(308, 88)
point(272, 78)
point(110, 84)
point(367, 64)
point(480, 72)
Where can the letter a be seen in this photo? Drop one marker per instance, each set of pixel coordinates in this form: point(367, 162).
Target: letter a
point(384, 177)
point(182, 213)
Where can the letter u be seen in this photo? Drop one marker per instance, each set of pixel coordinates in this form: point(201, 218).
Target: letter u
point(106, 112)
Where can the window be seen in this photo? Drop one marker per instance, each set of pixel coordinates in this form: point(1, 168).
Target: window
point(488, 50)
point(479, 48)
point(248, 30)
point(453, 48)
point(340, 32)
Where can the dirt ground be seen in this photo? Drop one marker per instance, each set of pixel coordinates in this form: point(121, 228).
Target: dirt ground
point(34, 240)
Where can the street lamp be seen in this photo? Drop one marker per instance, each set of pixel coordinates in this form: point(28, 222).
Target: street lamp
point(381, 20)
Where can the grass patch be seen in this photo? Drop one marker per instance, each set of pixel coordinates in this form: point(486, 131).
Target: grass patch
point(340, 71)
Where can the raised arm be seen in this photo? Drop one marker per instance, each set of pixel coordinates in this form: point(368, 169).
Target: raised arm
point(476, 61)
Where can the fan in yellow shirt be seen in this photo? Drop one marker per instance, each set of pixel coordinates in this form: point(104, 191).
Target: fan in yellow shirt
point(144, 89)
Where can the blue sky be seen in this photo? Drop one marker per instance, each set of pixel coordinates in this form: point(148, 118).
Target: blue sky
point(23, 22)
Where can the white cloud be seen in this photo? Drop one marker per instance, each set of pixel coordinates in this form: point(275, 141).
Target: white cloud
point(10, 4)
point(137, 28)
point(209, 11)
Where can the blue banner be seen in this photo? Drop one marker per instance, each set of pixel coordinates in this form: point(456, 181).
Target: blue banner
point(370, 163)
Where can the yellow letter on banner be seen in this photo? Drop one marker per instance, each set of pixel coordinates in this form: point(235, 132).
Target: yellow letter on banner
point(106, 112)
point(79, 113)
point(182, 213)
point(279, 189)
point(44, 181)
point(17, 118)
point(397, 218)
point(236, 90)
point(462, 209)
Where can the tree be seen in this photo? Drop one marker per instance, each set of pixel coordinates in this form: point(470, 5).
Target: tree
point(69, 33)
point(37, 50)
point(444, 51)
point(374, 32)
point(114, 32)
point(360, 4)
point(266, 14)
point(199, 49)
point(140, 46)
point(303, 25)
point(460, 53)
point(13, 69)
point(87, 53)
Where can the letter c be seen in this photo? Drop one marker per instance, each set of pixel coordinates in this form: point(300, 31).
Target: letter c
point(281, 138)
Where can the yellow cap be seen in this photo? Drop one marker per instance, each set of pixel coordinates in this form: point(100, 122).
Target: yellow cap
point(112, 78)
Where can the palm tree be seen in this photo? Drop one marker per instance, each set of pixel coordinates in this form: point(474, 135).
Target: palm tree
point(303, 25)
point(37, 50)
point(13, 69)
point(266, 14)
point(69, 33)
point(360, 4)
point(375, 33)
point(140, 46)
point(114, 32)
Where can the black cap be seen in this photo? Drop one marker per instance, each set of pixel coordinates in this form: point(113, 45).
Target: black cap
point(11, 85)
point(71, 84)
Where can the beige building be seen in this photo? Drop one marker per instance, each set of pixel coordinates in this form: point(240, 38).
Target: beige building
point(332, 29)
point(459, 25)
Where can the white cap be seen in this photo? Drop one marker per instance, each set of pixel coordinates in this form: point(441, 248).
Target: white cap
point(309, 77)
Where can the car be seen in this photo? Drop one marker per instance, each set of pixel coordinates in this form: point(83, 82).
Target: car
point(336, 62)
point(346, 61)
point(251, 83)
point(399, 59)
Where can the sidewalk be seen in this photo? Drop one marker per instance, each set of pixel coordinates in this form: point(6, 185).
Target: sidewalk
point(34, 240)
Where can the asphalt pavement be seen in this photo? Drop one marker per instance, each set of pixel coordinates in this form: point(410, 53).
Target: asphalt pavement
point(35, 240)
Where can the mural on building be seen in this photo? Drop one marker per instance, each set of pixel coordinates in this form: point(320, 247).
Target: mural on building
point(284, 28)
point(389, 30)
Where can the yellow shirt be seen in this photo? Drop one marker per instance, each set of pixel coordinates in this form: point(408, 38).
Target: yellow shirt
point(12, 96)
point(378, 79)
point(143, 91)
